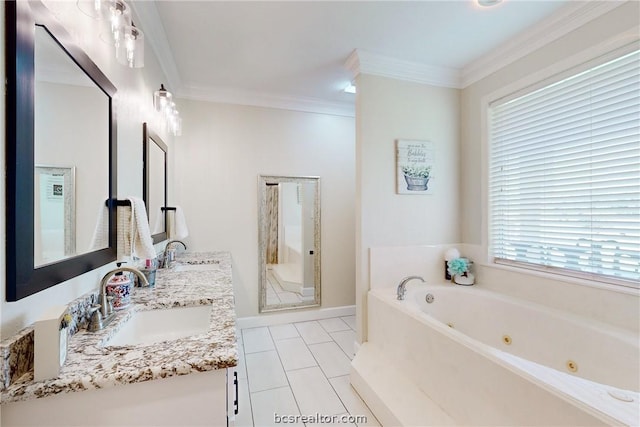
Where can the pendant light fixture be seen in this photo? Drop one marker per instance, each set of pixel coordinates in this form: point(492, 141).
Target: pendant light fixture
point(175, 123)
point(119, 19)
point(172, 118)
point(127, 39)
point(130, 51)
point(161, 98)
point(163, 103)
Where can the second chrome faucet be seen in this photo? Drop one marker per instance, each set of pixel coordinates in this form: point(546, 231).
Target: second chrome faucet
point(170, 253)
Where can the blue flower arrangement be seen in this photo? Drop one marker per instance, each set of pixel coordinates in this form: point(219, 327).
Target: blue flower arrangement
point(457, 266)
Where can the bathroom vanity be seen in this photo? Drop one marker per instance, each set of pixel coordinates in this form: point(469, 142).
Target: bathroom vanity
point(147, 367)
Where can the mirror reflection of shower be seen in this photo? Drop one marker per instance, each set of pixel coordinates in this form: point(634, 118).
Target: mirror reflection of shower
point(290, 230)
point(289, 224)
point(54, 214)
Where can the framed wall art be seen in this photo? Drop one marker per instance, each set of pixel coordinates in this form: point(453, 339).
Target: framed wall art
point(414, 167)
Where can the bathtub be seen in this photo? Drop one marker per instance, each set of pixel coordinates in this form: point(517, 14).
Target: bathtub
point(475, 357)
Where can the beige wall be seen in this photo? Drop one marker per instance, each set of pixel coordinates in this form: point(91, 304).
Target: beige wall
point(218, 158)
point(386, 110)
point(133, 106)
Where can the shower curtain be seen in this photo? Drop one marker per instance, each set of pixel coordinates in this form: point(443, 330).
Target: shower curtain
point(272, 224)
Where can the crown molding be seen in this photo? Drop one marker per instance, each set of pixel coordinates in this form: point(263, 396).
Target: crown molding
point(353, 63)
point(365, 62)
point(565, 20)
point(268, 100)
point(359, 61)
point(151, 23)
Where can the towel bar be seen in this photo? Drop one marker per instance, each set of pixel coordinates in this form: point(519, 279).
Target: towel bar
point(119, 202)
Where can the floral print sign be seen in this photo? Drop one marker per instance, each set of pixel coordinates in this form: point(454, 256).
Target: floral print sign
point(414, 167)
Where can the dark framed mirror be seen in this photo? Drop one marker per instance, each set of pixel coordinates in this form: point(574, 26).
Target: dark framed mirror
point(154, 177)
point(61, 155)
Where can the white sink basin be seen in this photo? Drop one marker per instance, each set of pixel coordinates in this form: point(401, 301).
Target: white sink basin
point(195, 267)
point(148, 327)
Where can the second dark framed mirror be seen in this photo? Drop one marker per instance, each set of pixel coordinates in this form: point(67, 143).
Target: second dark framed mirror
point(154, 182)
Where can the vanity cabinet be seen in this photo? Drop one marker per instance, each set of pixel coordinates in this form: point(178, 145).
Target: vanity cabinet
point(197, 399)
point(233, 396)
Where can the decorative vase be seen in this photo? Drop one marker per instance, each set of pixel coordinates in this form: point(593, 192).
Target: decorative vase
point(416, 183)
point(121, 293)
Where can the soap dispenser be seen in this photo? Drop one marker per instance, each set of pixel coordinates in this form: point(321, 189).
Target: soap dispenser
point(119, 287)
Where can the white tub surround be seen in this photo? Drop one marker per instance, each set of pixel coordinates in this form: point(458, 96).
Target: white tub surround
point(610, 304)
point(475, 357)
point(389, 264)
point(90, 365)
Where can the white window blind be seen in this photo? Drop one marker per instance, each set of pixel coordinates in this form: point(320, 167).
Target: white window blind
point(564, 179)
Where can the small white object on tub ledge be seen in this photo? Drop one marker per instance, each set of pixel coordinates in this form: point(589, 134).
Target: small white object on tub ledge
point(451, 253)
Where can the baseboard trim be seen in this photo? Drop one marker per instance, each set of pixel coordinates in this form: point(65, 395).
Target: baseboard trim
point(271, 319)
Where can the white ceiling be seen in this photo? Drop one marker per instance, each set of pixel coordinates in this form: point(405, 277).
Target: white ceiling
point(226, 50)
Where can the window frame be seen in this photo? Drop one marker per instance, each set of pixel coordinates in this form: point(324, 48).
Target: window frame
point(592, 57)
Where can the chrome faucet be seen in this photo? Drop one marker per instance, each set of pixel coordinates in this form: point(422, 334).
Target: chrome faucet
point(403, 284)
point(169, 252)
point(104, 315)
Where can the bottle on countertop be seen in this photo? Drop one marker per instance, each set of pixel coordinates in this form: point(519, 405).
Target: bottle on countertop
point(149, 271)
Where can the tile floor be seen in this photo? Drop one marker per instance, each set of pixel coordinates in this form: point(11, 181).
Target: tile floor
point(298, 369)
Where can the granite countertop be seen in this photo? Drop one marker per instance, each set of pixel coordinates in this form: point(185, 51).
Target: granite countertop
point(92, 365)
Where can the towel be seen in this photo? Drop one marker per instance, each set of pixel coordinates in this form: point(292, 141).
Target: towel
point(123, 231)
point(132, 230)
point(158, 226)
point(100, 239)
point(140, 241)
point(180, 229)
